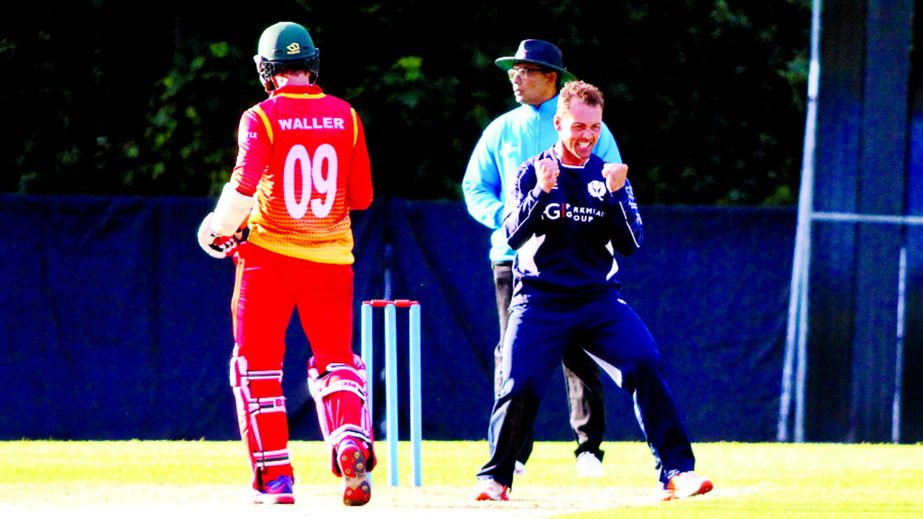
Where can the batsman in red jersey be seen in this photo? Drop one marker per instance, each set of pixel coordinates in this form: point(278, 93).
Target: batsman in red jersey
point(302, 165)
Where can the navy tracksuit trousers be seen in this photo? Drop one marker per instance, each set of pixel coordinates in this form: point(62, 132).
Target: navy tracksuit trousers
point(614, 335)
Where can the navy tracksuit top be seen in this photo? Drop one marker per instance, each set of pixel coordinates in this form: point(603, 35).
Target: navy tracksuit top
point(565, 239)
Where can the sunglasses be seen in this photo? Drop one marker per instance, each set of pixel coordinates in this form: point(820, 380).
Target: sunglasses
point(513, 73)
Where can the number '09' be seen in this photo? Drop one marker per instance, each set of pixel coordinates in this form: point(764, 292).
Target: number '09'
point(299, 162)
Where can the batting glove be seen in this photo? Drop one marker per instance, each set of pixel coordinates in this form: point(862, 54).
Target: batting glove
point(219, 247)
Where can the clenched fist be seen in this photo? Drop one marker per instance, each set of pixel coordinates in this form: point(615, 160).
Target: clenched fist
point(615, 176)
point(546, 170)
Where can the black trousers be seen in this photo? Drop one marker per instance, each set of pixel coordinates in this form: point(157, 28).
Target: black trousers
point(584, 388)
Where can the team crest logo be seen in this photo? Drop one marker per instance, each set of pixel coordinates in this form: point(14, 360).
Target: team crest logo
point(597, 189)
point(293, 48)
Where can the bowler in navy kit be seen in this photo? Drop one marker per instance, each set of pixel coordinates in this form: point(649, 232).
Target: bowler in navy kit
point(571, 212)
point(536, 75)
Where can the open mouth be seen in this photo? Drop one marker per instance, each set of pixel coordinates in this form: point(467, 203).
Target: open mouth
point(584, 146)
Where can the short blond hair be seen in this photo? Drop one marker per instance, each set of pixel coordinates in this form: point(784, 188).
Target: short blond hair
point(582, 91)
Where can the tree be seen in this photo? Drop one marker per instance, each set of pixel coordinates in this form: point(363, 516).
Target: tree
point(706, 99)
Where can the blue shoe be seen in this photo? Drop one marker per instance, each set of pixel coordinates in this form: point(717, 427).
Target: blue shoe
point(276, 492)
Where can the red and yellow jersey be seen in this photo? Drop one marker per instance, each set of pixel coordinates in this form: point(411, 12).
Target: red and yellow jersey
point(304, 154)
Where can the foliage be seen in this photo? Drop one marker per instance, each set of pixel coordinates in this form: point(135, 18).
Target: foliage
point(181, 149)
point(706, 99)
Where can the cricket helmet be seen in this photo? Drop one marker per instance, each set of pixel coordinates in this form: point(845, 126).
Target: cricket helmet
point(285, 46)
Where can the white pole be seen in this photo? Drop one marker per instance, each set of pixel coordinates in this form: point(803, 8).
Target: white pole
point(796, 333)
point(801, 373)
point(785, 398)
point(899, 350)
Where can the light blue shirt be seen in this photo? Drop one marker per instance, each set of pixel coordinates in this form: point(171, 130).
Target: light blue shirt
point(507, 142)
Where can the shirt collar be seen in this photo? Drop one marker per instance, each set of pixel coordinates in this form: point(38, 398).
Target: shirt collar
point(298, 89)
point(548, 107)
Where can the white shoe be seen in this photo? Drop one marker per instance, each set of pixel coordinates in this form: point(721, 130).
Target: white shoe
point(520, 469)
point(490, 490)
point(687, 484)
point(589, 466)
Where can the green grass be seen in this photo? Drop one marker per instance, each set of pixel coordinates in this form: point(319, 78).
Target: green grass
point(751, 480)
